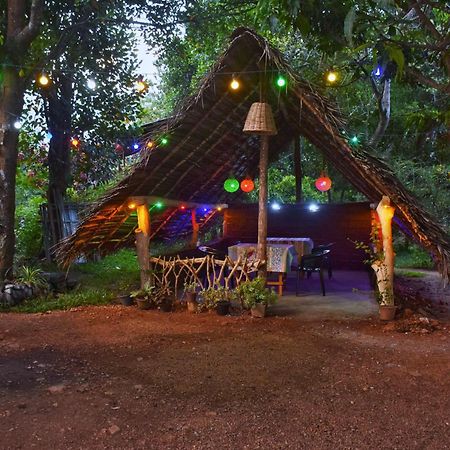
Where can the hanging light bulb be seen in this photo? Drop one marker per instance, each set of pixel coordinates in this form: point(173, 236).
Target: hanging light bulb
point(135, 146)
point(235, 85)
point(354, 140)
point(141, 86)
point(75, 142)
point(150, 144)
point(43, 79)
point(281, 81)
point(91, 84)
point(323, 183)
point(17, 124)
point(159, 205)
point(164, 141)
point(331, 76)
point(132, 205)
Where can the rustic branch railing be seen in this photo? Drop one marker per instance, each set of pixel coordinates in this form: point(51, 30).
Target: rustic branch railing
point(208, 272)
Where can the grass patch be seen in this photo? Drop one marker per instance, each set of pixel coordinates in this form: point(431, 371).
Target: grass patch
point(79, 297)
point(410, 273)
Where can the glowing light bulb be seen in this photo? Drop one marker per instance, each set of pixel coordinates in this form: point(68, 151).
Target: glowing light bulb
point(17, 124)
point(75, 142)
point(275, 206)
point(135, 146)
point(141, 86)
point(164, 141)
point(132, 205)
point(281, 81)
point(159, 205)
point(43, 79)
point(313, 207)
point(354, 140)
point(150, 144)
point(235, 85)
point(91, 84)
point(332, 76)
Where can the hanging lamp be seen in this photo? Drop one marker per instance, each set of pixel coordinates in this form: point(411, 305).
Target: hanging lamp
point(323, 183)
point(260, 120)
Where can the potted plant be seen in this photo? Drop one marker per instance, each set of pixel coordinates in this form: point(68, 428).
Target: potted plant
point(255, 296)
point(163, 298)
point(191, 296)
point(125, 299)
point(216, 298)
point(144, 296)
point(32, 281)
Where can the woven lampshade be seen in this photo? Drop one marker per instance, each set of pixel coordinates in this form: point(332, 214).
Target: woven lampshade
point(260, 120)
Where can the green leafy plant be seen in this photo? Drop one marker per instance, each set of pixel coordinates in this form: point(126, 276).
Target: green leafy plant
point(254, 292)
point(147, 292)
point(191, 287)
point(32, 277)
point(211, 296)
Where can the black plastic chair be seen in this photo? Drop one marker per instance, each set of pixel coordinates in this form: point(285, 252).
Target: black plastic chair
point(321, 248)
point(316, 262)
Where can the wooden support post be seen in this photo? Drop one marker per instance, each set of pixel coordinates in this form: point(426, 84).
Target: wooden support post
point(262, 207)
point(384, 270)
point(298, 173)
point(142, 244)
point(195, 228)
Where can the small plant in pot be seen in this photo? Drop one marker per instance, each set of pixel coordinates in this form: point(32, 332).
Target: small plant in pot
point(255, 296)
point(164, 299)
point(216, 298)
point(32, 281)
point(144, 297)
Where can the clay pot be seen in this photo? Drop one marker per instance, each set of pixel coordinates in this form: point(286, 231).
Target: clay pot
point(387, 312)
point(126, 300)
point(259, 310)
point(143, 303)
point(191, 300)
point(223, 307)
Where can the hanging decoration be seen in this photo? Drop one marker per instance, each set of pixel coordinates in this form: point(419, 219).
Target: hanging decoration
point(260, 120)
point(323, 183)
point(43, 79)
point(75, 142)
point(231, 185)
point(247, 185)
point(235, 85)
point(119, 148)
point(281, 81)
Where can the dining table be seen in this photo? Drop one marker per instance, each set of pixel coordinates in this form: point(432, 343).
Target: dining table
point(280, 257)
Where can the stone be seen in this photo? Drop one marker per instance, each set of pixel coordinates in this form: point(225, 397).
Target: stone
point(57, 388)
point(113, 429)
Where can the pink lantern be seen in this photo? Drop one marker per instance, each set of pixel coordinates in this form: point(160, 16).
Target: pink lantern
point(323, 183)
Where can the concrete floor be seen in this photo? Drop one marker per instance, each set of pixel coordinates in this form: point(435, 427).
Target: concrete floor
point(348, 295)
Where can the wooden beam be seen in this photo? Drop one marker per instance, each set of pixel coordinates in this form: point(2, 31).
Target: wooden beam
point(195, 228)
point(142, 243)
point(262, 207)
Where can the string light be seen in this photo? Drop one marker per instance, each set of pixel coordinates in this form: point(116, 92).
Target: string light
point(132, 205)
point(91, 84)
point(231, 185)
point(17, 124)
point(182, 207)
point(235, 85)
point(275, 206)
point(141, 86)
point(219, 208)
point(135, 146)
point(281, 81)
point(150, 144)
point(331, 76)
point(164, 141)
point(354, 140)
point(75, 142)
point(159, 205)
point(43, 79)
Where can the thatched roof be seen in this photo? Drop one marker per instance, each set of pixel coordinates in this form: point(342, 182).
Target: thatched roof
point(206, 144)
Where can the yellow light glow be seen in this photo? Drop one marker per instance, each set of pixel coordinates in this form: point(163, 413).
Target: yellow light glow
point(150, 144)
point(43, 80)
point(75, 142)
point(131, 205)
point(219, 208)
point(332, 76)
point(235, 85)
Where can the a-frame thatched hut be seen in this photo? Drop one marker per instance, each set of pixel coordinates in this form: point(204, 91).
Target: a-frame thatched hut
point(206, 143)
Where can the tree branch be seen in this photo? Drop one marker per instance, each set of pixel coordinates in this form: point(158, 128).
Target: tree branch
point(421, 78)
point(31, 30)
point(425, 20)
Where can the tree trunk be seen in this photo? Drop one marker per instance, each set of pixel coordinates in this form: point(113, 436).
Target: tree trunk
point(11, 106)
point(59, 120)
point(262, 207)
point(384, 110)
point(298, 168)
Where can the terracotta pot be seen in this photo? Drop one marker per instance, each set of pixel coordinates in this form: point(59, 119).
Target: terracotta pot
point(143, 303)
point(223, 307)
point(387, 312)
point(259, 310)
point(192, 306)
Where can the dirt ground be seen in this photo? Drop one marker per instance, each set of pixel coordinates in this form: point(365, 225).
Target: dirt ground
point(115, 377)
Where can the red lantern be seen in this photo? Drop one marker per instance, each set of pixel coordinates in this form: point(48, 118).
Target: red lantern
point(119, 148)
point(323, 183)
point(247, 185)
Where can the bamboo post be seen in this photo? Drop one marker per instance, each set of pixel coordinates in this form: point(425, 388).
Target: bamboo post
point(142, 244)
point(384, 270)
point(262, 206)
point(298, 168)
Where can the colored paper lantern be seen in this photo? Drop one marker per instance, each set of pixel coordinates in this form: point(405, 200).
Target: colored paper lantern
point(119, 148)
point(323, 183)
point(247, 185)
point(231, 185)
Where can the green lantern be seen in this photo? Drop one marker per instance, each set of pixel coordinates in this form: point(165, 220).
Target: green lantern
point(231, 185)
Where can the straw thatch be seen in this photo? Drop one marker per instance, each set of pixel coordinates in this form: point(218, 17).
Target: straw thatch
point(206, 144)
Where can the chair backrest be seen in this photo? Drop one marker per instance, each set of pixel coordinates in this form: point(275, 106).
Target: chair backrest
point(314, 261)
point(211, 251)
point(320, 248)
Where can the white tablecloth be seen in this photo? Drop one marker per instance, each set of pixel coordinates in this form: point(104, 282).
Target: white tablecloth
point(279, 256)
point(303, 246)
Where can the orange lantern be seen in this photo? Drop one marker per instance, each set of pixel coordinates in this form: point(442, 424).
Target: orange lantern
point(247, 185)
point(323, 183)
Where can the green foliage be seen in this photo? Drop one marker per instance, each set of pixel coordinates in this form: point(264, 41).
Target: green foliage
point(32, 276)
point(210, 297)
point(252, 292)
point(409, 274)
point(413, 256)
point(82, 297)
